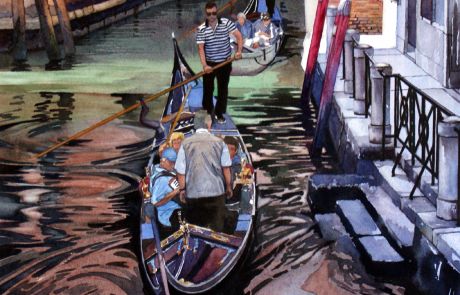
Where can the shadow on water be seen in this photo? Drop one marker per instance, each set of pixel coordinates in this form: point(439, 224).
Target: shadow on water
point(20, 66)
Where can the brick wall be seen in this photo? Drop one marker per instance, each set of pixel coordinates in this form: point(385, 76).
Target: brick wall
point(366, 15)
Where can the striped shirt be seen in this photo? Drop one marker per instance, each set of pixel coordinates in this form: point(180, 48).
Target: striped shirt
point(216, 42)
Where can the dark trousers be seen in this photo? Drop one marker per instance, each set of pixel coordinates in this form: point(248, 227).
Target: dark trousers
point(207, 212)
point(270, 6)
point(166, 231)
point(223, 77)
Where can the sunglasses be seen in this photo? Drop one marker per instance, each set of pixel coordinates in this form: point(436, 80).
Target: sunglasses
point(211, 13)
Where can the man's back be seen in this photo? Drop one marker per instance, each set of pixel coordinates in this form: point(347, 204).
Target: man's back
point(204, 161)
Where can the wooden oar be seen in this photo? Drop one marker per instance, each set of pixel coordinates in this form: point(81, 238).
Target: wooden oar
point(179, 112)
point(149, 210)
point(127, 110)
point(222, 9)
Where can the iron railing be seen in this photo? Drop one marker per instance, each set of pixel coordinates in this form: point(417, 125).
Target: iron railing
point(416, 117)
point(367, 83)
point(458, 178)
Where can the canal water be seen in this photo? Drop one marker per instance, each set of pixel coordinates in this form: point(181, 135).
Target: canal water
point(69, 221)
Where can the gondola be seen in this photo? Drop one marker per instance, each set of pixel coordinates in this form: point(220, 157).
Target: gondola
point(254, 61)
point(196, 258)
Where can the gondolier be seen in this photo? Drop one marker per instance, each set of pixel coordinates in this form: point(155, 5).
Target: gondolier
point(213, 39)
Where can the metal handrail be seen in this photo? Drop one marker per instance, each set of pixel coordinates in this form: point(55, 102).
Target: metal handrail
point(458, 177)
point(416, 112)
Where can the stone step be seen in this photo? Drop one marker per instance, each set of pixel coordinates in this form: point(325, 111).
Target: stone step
point(330, 226)
point(379, 256)
point(428, 223)
point(449, 245)
point(379, 250)
point(399, 227)
point(356, 218)
point(412, 171)
point(399, 186)
point(417, 206)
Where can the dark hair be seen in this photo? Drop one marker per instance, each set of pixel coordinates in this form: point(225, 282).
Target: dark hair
point(230, 140)
point(210, 5)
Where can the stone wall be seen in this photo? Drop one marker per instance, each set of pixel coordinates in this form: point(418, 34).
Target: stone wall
point(366, 15)
point(431, 39)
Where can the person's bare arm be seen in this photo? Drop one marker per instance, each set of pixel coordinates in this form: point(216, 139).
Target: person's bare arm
point(181, 180)
point(228, 181)
point(206, 67)
point(239, 41)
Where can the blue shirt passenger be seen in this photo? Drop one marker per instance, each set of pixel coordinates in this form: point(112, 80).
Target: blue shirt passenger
point(163, 182)
point(244, 26)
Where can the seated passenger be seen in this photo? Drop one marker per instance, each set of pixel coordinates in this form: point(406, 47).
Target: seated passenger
point(245, 28)
point(233, 148)
point(264, 30)
point(176, 140)
point(164, 187)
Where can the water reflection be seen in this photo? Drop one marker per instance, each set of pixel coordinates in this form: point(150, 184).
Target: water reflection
point(69, 221)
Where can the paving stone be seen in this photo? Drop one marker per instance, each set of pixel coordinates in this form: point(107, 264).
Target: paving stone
point(427, 222)
point(379, 250)
point(398, 225)
point(417, 206)
point(354, 214)
point(441, 231)
point(402, 65)
point(338, 180)
point(398, 186)
point(449, 246)
point(345, 104)
point(330, 226)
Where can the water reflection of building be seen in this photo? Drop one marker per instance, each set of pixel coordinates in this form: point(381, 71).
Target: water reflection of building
point(85, 16)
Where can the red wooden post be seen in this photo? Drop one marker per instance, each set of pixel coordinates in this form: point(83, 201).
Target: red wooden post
point(332, 67)
point(318, 27)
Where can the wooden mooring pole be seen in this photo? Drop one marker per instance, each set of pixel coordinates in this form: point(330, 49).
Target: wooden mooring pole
point(66, 29)
point(47, 30)
point(19, 31)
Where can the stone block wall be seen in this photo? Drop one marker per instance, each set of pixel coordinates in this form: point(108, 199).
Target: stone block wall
point(366, 15)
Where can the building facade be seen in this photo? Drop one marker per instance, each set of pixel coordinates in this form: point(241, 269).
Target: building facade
point(428, 32)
